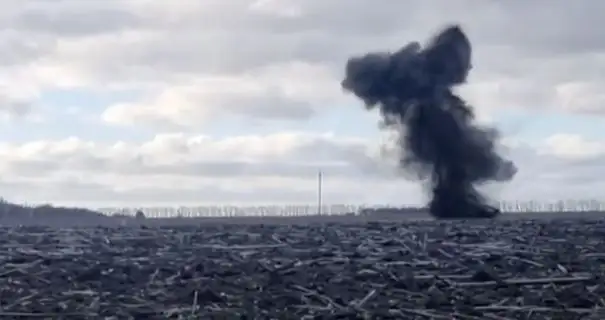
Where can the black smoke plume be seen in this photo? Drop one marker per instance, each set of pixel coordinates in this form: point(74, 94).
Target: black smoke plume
point(438, 138)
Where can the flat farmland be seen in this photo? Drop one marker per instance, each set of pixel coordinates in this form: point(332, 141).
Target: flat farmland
point(313, 268)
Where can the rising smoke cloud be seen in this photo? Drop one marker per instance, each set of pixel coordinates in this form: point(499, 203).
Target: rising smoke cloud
point(438, 138)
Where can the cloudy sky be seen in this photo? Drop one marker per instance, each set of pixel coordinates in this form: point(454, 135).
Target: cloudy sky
point(148, 102)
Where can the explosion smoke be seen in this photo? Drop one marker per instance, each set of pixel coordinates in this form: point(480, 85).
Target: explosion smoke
point(438, 139)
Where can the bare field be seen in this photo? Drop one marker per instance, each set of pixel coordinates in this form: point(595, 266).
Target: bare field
point(308, 268)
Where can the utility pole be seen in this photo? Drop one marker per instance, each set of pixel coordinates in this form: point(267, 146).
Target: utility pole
point(319, 181)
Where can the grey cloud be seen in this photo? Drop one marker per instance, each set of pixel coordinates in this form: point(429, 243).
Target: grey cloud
point(307, 156)
point(232, 36)
point(548, 27)
point(516, 39)
point(15, 107)
point(21, 48)
point(272, 106)
point(90, 193)
point(222, 52)
point(201, 169)
point(61, 18)
point(546, 177)
point(230, 169)
point(540, 177)
point(74, 22)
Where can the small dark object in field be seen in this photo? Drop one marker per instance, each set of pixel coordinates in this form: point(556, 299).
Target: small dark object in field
point(438, 138)
point(139, 215)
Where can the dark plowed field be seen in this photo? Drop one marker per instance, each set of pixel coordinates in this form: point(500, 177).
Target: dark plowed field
point(506, 269)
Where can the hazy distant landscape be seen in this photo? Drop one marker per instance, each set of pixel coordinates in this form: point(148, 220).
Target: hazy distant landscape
point(48, 215)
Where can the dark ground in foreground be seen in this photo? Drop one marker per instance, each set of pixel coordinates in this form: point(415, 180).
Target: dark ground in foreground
point(507, 269)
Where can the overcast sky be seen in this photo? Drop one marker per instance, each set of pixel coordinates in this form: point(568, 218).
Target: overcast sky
point(148, 102)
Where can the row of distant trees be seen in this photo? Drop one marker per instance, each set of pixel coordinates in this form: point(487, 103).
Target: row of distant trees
point(15, 213)
point(301, 210)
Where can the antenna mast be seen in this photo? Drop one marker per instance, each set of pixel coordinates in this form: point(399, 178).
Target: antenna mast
point(319, 191)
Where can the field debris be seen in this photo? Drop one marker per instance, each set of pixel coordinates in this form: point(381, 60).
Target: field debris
point(414, 270)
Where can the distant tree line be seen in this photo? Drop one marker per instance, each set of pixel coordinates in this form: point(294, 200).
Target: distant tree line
point(300, 210)
point(16, 214)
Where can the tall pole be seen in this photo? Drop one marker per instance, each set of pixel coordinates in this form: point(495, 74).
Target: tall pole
point(319, 178)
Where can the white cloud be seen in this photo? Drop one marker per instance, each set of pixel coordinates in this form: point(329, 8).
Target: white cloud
point(200, 166)
point(289, 92)
point(285, 155)
point(573, 146)
point(276, 168)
